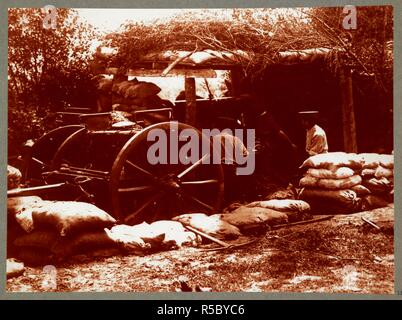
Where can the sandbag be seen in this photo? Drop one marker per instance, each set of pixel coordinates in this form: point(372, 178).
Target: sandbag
point(382, 172)
point(144, 231)
point(69, 216)
point(44, 239)
point(368, 173)
point(153, 102)
point(14, 177)
point(374, 201)
point(244, 216)
point(335, 173)
point(336, 184)
point(128, 242)
point(295, 216)
point(336, 195)
point(331, 201)
point(308, 181)
point(141, 90)
point(20, 209)
point(121, 87)
point(382, 185)
point(232, 206)
point(360, 190)
point(369, 160)
point(210, 225)
point(282, 194)
point(105, 85)
point(387, 161)
point(333, 159)
point(13, 232)
point(176, 235)
point(62, 247)
point(373, 160)
point(14, 268)
point(282, 205)
point(32, 256)
point(18, 204)
point(83, 243)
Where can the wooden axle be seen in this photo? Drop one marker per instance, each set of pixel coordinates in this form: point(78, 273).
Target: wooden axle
point(33, 191)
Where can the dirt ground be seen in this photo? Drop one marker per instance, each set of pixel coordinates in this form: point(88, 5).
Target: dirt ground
point(343, 255)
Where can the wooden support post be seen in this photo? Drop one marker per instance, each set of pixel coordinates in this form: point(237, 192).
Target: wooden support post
point(235, 78)
point(348, 113)
point(26, 159)
point(191, 107)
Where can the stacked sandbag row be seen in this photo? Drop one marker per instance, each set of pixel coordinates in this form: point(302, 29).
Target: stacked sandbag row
point(247, 219)
point(51, 231)
point(335, 182)
point(332, 183)
point(378, 176)
point(131, 95)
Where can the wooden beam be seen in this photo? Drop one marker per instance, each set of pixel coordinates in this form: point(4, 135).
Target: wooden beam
point(194, 73)
point(348, 113)
point(183, 65)
point(191, 105)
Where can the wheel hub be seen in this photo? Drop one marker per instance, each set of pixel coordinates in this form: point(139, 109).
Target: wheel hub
point(170, 183)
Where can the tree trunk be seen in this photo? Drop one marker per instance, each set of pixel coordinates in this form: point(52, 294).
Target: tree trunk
point(348, 113)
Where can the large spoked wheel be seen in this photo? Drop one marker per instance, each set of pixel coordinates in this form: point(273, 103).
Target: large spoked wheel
point(142, 191)
point(43, 152)
point(73, 151)
point(85, 160)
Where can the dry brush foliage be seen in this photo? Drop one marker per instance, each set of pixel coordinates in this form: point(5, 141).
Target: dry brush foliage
point(263, 33)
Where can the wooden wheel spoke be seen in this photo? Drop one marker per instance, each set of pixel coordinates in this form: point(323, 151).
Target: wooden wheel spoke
point(200, 182)
point(159, 211)
point(193, 166)
point(196, 200)
point(135, 189)
point(39, 162)
point(138, 168)
point(143, 207)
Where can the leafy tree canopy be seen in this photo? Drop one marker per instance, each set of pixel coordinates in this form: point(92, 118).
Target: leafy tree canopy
point(47, 68)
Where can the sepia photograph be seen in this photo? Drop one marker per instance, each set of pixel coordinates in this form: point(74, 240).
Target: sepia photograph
point(200, 150)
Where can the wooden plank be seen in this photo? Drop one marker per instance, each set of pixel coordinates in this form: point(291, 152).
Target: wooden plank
point(191, 105)
point(194, 73)
point(183, 65)
point(348, 113)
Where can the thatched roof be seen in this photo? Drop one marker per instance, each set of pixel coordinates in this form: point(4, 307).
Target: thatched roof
point(210, 58)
